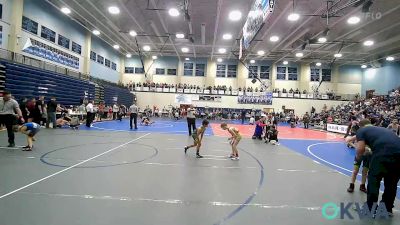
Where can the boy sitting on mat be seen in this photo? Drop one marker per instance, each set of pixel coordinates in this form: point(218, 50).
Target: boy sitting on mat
point(30, 130)
point(272, 136)
point(234, 140)
point(146, 121)
point(198, 137)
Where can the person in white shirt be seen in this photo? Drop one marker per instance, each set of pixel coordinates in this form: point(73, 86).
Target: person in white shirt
point(89, 113)
point(115, 111)
point(191, 119)
point(133, 110)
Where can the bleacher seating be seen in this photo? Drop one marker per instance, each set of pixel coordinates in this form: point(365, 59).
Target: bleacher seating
point(26, 81)
point(117, 94)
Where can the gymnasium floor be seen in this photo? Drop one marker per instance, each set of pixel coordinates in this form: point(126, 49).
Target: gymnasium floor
point(111, 175)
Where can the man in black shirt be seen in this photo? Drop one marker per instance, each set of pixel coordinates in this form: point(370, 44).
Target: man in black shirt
point(385, 162)
point(51, 112)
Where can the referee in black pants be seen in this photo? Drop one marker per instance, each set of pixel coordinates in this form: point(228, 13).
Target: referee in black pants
point(9, 114)
point(133, 110)
point(385, 162)
point(191, 120)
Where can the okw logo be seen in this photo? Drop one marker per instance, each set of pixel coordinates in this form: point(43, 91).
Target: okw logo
point(332, 211)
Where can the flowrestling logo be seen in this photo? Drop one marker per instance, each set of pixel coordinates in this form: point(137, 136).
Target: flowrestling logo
point(343, 211)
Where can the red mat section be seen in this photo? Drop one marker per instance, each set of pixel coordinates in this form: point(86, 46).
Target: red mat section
point(284, 133)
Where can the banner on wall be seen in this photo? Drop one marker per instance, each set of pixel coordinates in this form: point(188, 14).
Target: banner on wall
point(183, 99)
point(207, 98)
point(261, 99)
point(45, 51)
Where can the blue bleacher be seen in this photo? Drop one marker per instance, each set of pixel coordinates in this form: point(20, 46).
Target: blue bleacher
point(26, 81)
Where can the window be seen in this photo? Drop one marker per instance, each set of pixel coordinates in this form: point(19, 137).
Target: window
point(171, 71)
point(188, 69)
point(129, 70)
point(93, 55)
point(281, 73)
point(232, 70)
point(221, 70)
point(160, 71)
point(292, 73)
point(315, 74)
point(253, 72)
point(326, 74)
point(100, 59)
point(200, 68)
point(264, 72)
point(113, 66)
point(139, 70)
point(107, 63)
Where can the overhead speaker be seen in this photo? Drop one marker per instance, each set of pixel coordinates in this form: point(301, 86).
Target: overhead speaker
point(366, 7)
point(253, 81)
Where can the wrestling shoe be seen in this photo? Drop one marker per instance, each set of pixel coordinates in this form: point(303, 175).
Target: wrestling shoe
point(199, 156)
point(363, 188)
point(351, 188)
point(28, 149)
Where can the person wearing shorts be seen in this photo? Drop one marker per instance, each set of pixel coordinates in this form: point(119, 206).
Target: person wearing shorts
point(197, 136)
point(234, 140)
point(30, 130)
point(364, 160)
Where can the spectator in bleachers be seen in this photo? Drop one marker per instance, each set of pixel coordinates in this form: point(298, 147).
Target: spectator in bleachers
point(40, 110)
point(9, 115)
point(51, 112)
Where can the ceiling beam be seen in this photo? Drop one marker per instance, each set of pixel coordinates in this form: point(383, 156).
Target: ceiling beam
point(219, 4)
point(165, 28)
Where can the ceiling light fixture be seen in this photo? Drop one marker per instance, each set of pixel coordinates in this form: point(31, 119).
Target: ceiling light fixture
point(318, 64)
point(179, 35)
point(96, 32)
point(353, 20)
point(363, 66)
point(116, 46)
point(113, 10)
point(261, 52)
point(65, 10)
point(128, 55)
point(146, 48)
point(187, 59)
point(285, 62)
point(389, 58)
point(299, 54)
point(154, 57)
point(293, 17)
point(322, 39)
point(368, 43)
point(252, 61)
point(133, 33)
point(173, 12)
point(235, 15)
point(222, 50)
point(219, 60)
point(338, 55)
point(184, 49)
point(227, 36)
point(274, 38)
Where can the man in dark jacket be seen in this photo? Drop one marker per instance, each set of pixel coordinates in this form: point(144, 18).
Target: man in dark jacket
point(51, 112)
point(385, 162)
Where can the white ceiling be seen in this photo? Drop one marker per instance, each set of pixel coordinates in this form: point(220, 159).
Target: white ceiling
point(385, 31)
